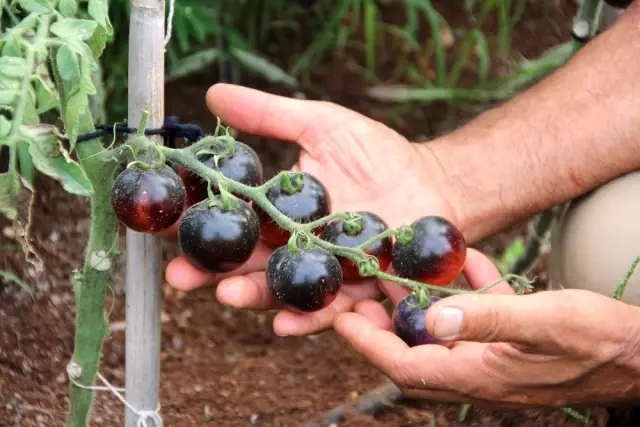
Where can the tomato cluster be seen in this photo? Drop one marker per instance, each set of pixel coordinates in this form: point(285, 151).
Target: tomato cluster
point(219, 232)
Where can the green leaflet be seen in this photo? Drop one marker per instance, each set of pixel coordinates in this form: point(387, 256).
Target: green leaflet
point(47, 158)
point(36, 6)
point(9, 192)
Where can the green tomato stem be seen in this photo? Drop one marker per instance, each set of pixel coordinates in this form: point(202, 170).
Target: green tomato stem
point(325, 220)
point(187, 159)
point(381, 236)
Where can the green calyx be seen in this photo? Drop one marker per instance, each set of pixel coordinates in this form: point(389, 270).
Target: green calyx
point(298, 242)
point(225, 200)
point(422, 297)
point(369, 266)
point(353, 224)
point(405, 234)
point(292, 182)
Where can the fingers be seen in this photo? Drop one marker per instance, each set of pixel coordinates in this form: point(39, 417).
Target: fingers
point(406, 366)
point(292, 323)
point(249, 291)
point(480, 271)
point(182, 275)
point(375, 313)
point(279, 117)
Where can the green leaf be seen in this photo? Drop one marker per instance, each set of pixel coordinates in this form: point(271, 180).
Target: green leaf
point(263, 67)
point(67, 64)
point(12, 66)
point(99, 10)
point(44, 96)
point(12, 48)
point(28, 23)
point(98, 41)
point(515, 249)
point(68, 8)
point(193, 63)
point(70, 28)
point(7, 96)
point(24, 160)
point(77, 103)
point(9, 193)
point(30, 113)
point(9, 276)
point(85, 72)
point(36, 6)
point(47, 158)
point(5, 126)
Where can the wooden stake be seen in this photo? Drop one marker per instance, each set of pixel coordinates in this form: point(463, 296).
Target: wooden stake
point(143, 267)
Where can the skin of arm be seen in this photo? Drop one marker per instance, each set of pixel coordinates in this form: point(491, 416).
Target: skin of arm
point(575, 130)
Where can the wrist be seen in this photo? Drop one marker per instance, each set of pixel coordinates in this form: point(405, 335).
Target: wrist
point(464, 182)
point(439, 179)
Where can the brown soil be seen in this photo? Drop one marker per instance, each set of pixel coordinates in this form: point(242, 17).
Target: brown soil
point(220, 366)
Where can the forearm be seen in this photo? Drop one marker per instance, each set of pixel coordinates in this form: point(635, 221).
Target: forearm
point(577, 129)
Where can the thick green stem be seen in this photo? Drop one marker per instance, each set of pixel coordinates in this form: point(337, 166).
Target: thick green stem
point(91, 283)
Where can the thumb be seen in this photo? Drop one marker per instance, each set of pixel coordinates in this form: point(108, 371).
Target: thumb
point(535, 320)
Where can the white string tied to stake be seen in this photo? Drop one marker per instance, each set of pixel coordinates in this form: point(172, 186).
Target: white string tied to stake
point(74, 371)
point(167, 37)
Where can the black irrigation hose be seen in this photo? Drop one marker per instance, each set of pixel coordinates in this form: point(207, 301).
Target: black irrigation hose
point(374, 402)
point(170, 131)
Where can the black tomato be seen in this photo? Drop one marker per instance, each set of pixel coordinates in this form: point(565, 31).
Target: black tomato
point(311, 203)
point(408, 321)
point(148, 200)
point(304, 281)
point(620, 4)
point(372, 225)
point(435, 254)
point(218, 240)
point(244, 167)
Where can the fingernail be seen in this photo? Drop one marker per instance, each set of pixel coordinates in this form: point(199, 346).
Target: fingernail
point(448, 324)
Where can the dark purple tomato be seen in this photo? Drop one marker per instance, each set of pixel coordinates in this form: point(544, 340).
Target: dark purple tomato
point(218, 240)
point(408, 321)
point(148, 200)
point(372, 225)
point(620, 4)
point(435, 254)
point(244, 167)
point(311, 203)
point(304, 281)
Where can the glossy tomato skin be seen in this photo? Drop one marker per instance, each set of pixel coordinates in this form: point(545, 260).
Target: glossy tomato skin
point(305, 281)
point(244, 167)
point(408, 321)
point(148, 200)
point(307, 205)
point(372, 225)
point(436, 253)
point(218, 240)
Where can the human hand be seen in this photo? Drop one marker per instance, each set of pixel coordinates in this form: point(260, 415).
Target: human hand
point(552, 348)
point(364, 165)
